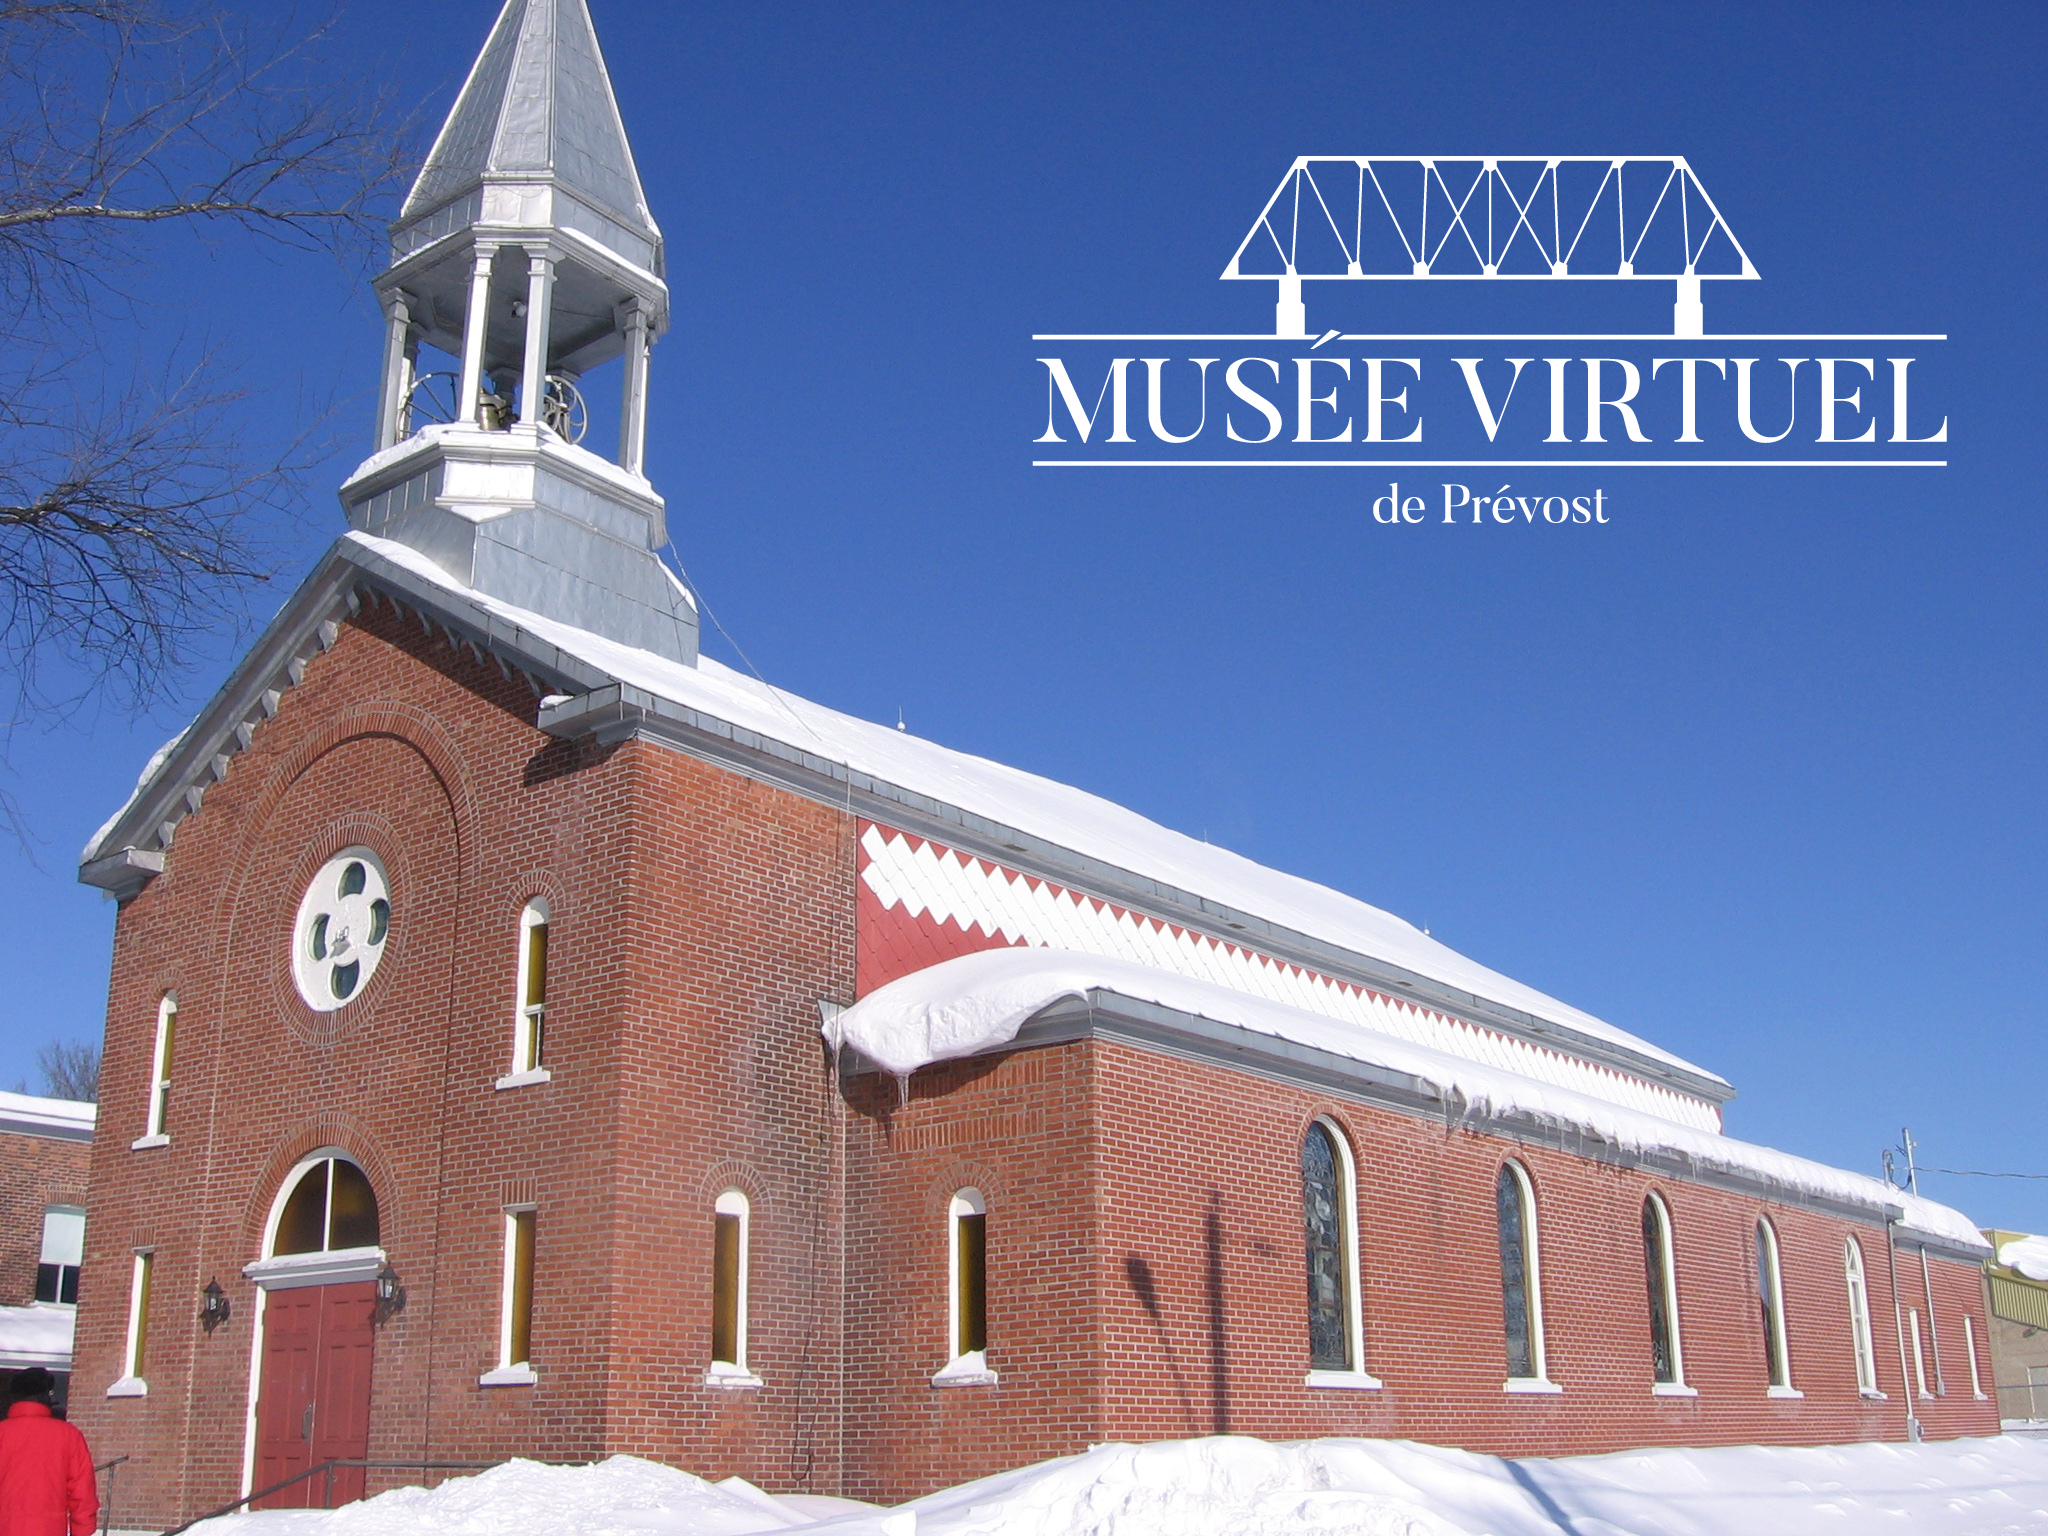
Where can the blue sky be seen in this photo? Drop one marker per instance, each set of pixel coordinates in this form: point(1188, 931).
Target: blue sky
point(1754, 770)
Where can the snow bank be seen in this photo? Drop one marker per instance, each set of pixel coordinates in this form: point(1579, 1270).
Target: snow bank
point(1233, 1486)
point(977, 1002)
point(36, 1335)
point(624, 1496)
point(1068, 817)
point(2028, 1255)
point(1237, 1486)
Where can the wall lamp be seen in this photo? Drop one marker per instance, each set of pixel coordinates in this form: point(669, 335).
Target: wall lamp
point(214, 1306)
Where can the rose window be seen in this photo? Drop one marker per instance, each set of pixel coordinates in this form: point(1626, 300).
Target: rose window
point(343, 922)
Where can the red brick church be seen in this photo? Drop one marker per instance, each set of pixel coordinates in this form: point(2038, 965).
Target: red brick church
point(529, 1037)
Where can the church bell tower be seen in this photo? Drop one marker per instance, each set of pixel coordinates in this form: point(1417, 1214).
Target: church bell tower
point(526, 257)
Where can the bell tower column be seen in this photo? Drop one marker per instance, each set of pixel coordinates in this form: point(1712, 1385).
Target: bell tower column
point(633, 407)
point(533, 375)
point(475, 323)
point(399, 350)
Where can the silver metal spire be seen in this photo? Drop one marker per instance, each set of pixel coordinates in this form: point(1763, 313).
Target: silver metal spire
point(536, 117)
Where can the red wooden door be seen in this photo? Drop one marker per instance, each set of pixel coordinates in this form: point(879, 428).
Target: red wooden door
point(313, 1404)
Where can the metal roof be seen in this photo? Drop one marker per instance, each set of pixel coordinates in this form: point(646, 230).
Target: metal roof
point(537, 108)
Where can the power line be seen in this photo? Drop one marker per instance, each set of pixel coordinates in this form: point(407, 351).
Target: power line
point(1979, 1173)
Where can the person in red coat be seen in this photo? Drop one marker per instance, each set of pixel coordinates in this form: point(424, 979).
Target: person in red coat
point(46, 1478)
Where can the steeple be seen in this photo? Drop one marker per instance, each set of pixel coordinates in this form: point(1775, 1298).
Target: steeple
point(526, 254)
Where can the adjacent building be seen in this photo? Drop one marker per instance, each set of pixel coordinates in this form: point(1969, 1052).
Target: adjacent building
point(45, 1151)
point(2016, 1329)
point(529, 1037)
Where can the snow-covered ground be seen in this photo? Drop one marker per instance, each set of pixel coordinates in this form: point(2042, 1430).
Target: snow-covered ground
point(1235, 1486)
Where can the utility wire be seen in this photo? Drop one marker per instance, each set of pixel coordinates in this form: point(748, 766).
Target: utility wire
point(1979, 1173)
point(697, 592)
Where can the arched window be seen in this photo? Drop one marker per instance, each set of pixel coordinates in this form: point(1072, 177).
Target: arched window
point(1521, 1277)
point(968, 1221)
point(155, 1130)
point(529, 1025)
point(330, 1206)
point(1328, 1200)
point(1660, 1271)
point(731, 1222)
point(1859, 1317)
point(1919, 1359)
point(1770, 1290)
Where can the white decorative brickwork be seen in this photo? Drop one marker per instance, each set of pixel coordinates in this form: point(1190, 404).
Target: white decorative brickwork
point(936, 885)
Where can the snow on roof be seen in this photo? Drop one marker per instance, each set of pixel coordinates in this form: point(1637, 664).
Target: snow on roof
point(28, 1115)
point(36, 1336)
point(979, 1002)
point(1060, 814)
point(2028, 1255)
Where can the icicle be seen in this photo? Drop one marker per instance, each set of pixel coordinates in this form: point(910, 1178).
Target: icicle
point(902, 1089)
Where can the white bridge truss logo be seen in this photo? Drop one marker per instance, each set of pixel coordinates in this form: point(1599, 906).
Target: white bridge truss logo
point(1393, 217)
point(929, 880)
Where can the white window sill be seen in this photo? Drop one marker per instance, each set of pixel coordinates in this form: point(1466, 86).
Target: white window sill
point(731, 1378)
point(129, 1386)
point(1982, 1397)
point(522, 1079)
point(144, 1143)
point(1345, 1381)
point(968, 1371)
point(1673, 1389)
point(1787, 1393)
point(1882, 1397)
point(508, 1376)
point(1530, 1386)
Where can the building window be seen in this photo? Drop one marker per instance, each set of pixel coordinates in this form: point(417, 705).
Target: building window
point(1770, 1290)
point(966, 1293)
point(136, 1351)
point(529, 1028)
point(62, 1252)
point(343, 922)
point(1521, 1276)
point(1859, 1318)
point(1970, 1349)
point(1919, 1362)
point(1660, 1271)
point(330, 1207)
point(515, 1302)
point(732, 1238)
point(156, 1123)
point(1328, 1203)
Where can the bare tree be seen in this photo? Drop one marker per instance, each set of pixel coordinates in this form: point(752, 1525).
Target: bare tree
point(129, 505)
point(71, 1070)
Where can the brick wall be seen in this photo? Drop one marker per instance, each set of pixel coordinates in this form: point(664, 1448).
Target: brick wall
point(1144, 1213)
point(35, 1171)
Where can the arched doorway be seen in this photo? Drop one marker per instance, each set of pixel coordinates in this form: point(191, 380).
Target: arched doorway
point(319, 1271)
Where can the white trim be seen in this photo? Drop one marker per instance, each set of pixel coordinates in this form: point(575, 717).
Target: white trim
point(1532, 1267)
point(1919, 1358)
point(319, 906)
point(1856, 1277)
point(144, 1143)
point(1970, 1348)
point(970, 1370)
point(1667, 1253)
point(332, 1266)
point(734, 1202)
point(140, 1280)
point(1876, 1397)
point(1530, 1386)
point(521, 1375)
point(160, 1071)
point(1345, 1381)
point(526, 1016)
point(1347, 1249)
point(1767, 1233)
point(525, 1079)
point(507, 1286)
point(965, 1202)
point(1672, 1389)
point(1789, 1394)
